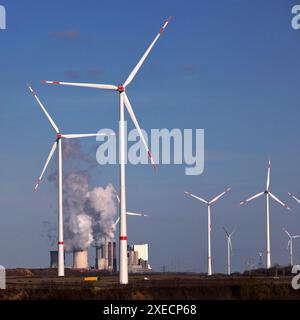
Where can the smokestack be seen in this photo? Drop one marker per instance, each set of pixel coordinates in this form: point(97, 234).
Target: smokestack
point(110, 256)
point(114, 257)
point(98, 257)
point(105, 255)
point(101, 262)
point(80, 259)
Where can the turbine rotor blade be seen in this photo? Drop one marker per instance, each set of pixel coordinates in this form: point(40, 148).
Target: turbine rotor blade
point(136, 214)
point(294, 197)
point(268, 176)
point(286, 232)
point(252, 198)
point(137, 67)
point(84, 135)
point(296, 236)
point(133, 213)
point(219, 196)
point(232, 233)
point(288, 245)
point(134, 120)
point(46, 164)
point(44, 110)
point(115, 223)
point(87, 85)
point(195, 197)
point(279, 201)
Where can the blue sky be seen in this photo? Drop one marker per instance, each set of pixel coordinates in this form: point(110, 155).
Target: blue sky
point(229, 67)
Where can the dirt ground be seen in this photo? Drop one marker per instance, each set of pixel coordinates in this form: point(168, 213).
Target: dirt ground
point(42, 284)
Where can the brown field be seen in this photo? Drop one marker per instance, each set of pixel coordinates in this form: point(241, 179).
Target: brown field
point(41, 284)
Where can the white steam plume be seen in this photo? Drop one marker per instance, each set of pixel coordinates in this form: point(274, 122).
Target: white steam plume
point(78, 224)
point(102, 207)
point(88, 214)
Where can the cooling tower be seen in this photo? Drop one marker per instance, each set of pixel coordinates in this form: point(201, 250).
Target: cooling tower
point(53, 259)
point(80, 259)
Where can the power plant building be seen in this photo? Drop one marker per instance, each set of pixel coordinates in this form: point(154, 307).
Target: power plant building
point(138, 258)
point(106, 257)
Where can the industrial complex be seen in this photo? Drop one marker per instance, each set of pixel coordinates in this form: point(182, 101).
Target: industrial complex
point(106, 258)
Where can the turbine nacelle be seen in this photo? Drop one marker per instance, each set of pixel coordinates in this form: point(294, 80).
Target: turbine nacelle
point(121, 88)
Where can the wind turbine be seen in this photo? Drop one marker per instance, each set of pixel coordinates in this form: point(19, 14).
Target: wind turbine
point(129, 214)
point(290, 244)
point(229, 249)
point(268, 194)
point(209, 204)
point(57, 143)
point(123, 101)
point(294, 197)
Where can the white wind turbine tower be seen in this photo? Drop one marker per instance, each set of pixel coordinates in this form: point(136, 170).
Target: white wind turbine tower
point(229, 249)
point(57, 143)
point(290, 244)
point(268, 194)
point(123, 101)
point(209, 204)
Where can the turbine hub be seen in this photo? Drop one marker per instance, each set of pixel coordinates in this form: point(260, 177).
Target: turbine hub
point(267, 191)
point(121, 88)
point(58, 136)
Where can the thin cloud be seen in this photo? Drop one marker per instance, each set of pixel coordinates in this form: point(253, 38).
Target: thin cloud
point(66, 35)
point(72, 74)
point(190, 69)
point(95, 72)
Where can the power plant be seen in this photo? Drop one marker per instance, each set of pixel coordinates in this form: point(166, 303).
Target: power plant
point(138, 258)
point(106, 257)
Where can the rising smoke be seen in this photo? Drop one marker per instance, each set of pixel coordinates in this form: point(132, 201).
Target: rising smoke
point(50, 233)
point(102, 207)
point(88, 212)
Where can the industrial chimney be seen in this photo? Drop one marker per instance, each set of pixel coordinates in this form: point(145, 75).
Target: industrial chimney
point(80, 259)
point(106, 257)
